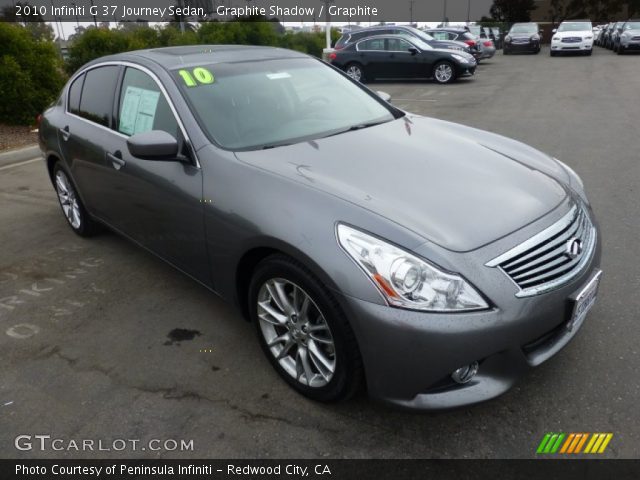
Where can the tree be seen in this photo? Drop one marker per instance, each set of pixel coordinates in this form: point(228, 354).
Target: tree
point(31, 74)
point(512, 10)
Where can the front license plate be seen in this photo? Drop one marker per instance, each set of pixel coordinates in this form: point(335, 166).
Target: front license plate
point(584, 301)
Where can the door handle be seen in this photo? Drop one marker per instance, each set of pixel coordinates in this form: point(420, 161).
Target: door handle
point(116, 159)
point(65, 133)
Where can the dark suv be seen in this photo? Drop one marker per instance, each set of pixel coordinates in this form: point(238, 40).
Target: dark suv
point(356, 35)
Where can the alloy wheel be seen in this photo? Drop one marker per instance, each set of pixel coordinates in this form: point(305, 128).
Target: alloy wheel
point(296, 332)
point(354, 72)
point(443, 73)
point(68, 200)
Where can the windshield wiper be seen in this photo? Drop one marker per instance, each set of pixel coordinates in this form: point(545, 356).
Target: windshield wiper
point(275, 145)
point(358, 126)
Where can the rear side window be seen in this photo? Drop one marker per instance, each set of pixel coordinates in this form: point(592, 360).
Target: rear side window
point(96, 102)
point(75, 90)
point(143, 107)
point(376, 44)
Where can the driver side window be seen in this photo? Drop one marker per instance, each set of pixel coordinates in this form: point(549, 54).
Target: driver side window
point(143, 106)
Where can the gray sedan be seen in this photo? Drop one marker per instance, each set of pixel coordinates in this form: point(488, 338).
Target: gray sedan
point(431, 262)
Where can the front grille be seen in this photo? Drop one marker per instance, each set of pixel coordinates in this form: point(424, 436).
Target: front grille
point(543, 262)
point(572, 40)
point(635, 39)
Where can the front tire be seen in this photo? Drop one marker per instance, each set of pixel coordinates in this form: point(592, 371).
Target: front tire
point(444, 72)
point(303, 331)
point(72, 207)
point(620, 50)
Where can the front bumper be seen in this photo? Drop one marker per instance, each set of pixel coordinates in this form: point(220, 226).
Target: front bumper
point(529, 46)
point(630, 44)
point(409, 356)
point(583, 46)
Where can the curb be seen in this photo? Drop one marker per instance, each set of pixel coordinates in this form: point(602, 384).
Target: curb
point(20, 155)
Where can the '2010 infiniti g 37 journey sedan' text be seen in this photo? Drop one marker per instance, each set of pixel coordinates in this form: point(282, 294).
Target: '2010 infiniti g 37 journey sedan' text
point(430, 261)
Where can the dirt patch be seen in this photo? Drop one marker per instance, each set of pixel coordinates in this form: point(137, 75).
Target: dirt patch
point(16, 136)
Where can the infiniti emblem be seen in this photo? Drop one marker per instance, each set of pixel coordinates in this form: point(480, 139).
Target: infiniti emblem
point(574, 247)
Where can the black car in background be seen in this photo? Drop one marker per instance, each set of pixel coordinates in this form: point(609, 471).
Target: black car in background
point(522, 37)
point(459, 34)
point(401, 56)
point(354, 36)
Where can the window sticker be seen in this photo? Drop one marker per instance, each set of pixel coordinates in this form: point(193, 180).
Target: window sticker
point(138, 110)
point(198, 76)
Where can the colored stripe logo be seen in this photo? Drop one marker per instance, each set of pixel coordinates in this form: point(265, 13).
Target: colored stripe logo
point(574, 443)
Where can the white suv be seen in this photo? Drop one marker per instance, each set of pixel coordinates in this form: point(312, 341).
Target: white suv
point(573, 36)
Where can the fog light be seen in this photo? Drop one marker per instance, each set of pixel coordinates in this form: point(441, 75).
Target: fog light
point(466, 373)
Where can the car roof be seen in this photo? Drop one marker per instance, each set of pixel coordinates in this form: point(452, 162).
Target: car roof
point(173, 57)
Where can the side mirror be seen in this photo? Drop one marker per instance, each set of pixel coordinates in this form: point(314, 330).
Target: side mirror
point(153, 145)
point(540, 32)
point(384, 96)
point(554, 30)
point(413, 50)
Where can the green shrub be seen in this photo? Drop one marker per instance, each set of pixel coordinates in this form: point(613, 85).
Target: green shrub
point(31, 74)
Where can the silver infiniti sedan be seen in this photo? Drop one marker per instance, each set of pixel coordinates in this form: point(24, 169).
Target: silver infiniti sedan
point(428, 262)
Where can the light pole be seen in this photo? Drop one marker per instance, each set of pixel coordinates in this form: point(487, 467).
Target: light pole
point(327, 17)
point(468, 11)
point(411, 11)
point(444, 18)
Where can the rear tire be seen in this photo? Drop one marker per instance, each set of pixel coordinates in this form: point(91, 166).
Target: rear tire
point(72, 207)
point(356, 71)
point(312, 347)
point(444, 72)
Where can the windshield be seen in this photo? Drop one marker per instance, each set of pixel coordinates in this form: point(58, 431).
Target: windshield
point(261, 104)
point(525, 28)
point(574, 27)
point(632, 26)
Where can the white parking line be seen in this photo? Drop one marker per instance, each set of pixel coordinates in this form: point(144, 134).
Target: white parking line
point(19, 164)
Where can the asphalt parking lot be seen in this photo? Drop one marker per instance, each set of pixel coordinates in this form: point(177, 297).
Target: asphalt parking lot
point(88, 340)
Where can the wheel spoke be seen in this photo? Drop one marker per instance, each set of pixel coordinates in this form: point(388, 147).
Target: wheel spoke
point(285, 350)
point(303, 359)
point(284, 338)
point(277, 317)
point(318, 355)
point(283, 298)
point(304, 308)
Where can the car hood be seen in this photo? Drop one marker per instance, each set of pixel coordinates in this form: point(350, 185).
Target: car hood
point(456, 186)
point(633, 32)
point(521, 35)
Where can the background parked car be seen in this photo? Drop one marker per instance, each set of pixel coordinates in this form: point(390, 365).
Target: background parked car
point(354, 36)
point(461, 35)
point(396, 56)
point(522, 37)
point(573, 36)
point(609, 35)
point(629, 38)
point(599, 39)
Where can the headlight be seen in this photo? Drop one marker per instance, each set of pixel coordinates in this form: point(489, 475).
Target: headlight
point(556, 39)
point(588, 38)
point(507, 38)
point(535, 38)
point(460, 58)
point(405, 280)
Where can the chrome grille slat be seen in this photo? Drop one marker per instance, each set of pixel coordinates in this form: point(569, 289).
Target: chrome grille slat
point(542, 263)
point(551, 244)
